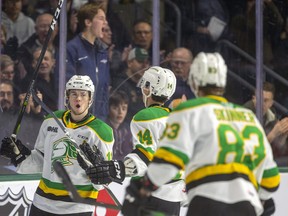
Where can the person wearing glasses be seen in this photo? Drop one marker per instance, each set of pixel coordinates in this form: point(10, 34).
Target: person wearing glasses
point(180, 61)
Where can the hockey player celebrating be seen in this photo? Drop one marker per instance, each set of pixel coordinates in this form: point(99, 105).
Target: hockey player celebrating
point(52, 144)
point(157, 85)
point(228, 160)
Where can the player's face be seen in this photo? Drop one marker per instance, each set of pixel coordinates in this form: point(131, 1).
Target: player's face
point(98, 23)
point(117, 113)
point(79, 101)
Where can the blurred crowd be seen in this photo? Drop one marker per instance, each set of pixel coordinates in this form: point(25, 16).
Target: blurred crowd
point(115, 47)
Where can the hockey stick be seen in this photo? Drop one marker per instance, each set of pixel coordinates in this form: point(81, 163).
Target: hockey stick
point(35, 74)
point(79, 151)
point(61, 172)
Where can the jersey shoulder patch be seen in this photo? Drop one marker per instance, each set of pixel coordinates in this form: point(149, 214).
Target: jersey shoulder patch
point(103, 130)
point(151, 113)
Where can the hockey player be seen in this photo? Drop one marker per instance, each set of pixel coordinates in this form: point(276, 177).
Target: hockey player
point(51, 197)
point(229, 163)
point(157, 85)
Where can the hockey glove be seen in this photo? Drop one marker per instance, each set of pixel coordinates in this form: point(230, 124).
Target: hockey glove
point(106, 172)
point(16, 151)
point(94, 157)
point(139, 188)
point(137, 196)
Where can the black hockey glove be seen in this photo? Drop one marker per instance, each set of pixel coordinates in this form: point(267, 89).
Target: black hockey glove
point(136, 198)
point(106, 172)
point(269, 207)
point(16, 151)
point(94, 157)
point(144, 183)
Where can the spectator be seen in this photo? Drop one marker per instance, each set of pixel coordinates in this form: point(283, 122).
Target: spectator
point(118, 107)
point(44, 83)
point(7, 97)
point(37, 40)
point(85, 58)
point(142, 35)
point(15, 22)
point(128, 79)
point(276, 130)
point(8, 72)
point(121, 37)
point(180, 62)
point(7, 68)
point(9, 110)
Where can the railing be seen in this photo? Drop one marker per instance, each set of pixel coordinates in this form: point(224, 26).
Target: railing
point(227, 44)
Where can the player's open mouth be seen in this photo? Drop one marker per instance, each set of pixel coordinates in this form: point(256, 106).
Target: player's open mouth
point(78, 106)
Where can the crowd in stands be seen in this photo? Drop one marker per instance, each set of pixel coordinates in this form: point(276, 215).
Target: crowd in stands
point(115, 52)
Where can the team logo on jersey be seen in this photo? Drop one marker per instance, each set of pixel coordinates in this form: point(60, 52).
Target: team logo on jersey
point(63, 151)
point(52, 129)
point(14, 204)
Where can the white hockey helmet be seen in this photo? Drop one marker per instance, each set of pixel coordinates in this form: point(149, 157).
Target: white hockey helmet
point(79, 82)
point(160, 81)
point(208, 69)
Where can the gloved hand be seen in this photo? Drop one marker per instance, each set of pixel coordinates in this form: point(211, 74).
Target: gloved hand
point(101, 172)
point(106, 172)
point(94, 157)
point(16, 151)
point(137, 196)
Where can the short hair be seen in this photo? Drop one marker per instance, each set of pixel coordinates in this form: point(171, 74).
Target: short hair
point(141, 21)
point(41, 15)
point(88, 11)
point(6, 61)
point(37, 49)
point(212, 90)
point(117, 98)
point(267, 86)
point(7, 82)
point(160, 99)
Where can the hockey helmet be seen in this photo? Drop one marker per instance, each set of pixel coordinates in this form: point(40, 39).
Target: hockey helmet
point(160, 81)
point(80, 82)
point(208, 69)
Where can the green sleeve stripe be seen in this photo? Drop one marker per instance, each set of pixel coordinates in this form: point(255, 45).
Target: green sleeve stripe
point(271, 172)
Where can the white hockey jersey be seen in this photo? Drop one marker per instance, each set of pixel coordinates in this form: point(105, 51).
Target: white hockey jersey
point(52, 144)
point(147, 127)
point(223, 149)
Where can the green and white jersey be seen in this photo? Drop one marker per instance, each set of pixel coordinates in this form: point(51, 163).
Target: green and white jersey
point(147, 127)
point(223, 149)
point(51, 145)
